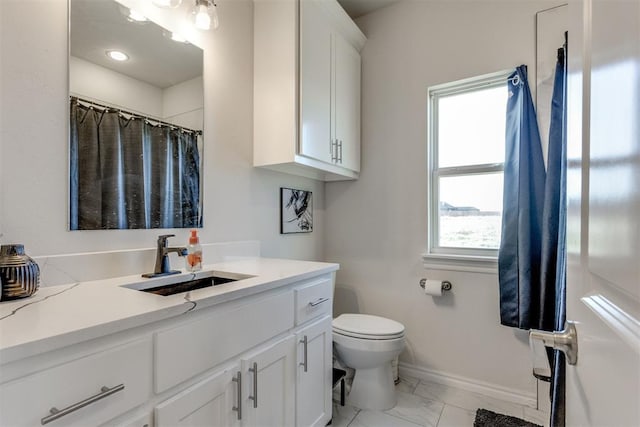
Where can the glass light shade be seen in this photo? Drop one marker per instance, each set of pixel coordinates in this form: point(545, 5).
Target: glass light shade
point(136, 16)
point(167, 3)
point(204, 15)
point(178, 38)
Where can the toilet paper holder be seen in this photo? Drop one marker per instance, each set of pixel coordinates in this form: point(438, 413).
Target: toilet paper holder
point(446, 285)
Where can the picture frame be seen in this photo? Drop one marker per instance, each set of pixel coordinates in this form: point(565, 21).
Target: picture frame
point(296, 211)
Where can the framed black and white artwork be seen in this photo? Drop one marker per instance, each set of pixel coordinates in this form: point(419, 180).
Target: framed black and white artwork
point(296, 211)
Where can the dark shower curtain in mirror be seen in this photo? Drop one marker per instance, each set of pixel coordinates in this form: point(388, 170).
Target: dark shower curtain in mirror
point(127, 172)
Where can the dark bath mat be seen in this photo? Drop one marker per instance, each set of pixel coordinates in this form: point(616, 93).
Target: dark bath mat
point(486, 418)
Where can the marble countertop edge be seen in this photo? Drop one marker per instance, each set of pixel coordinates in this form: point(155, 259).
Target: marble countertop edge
point(63, 315)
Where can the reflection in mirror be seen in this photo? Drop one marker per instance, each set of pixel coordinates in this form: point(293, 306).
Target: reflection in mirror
point(135, 124)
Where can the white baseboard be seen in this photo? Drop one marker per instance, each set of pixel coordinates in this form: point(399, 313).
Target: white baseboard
point(486, 389)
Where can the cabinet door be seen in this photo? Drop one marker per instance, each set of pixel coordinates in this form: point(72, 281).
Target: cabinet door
point(211, 402)
point(314, 376)
point(315, 82)
point(268, 388)
point(346, 103)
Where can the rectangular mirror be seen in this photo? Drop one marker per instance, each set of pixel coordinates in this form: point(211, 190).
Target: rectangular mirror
point(135, 123)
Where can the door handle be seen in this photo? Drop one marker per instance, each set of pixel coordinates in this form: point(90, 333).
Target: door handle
point(254, 370)
point(566, 341)
point(238, 408)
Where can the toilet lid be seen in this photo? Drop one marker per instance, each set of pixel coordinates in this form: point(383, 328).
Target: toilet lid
point(367, 326)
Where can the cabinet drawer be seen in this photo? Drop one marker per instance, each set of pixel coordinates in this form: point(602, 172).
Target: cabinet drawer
point(27, 400)
point(313, 300)
point(194, 347)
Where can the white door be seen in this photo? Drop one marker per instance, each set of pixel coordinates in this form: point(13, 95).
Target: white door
point(603, 277)
point(268, 381)
point(314, 377)
point(211, 402)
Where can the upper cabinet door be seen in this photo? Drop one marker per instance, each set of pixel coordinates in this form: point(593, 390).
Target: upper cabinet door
point(315, 82)
point(346, 105)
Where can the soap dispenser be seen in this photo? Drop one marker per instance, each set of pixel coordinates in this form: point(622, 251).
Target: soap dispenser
point(194, 253)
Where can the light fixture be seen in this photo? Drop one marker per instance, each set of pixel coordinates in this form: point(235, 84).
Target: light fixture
point(117, 55)
point(171, 4)
point(178, 38)
point(205, 15)
point(136, 16)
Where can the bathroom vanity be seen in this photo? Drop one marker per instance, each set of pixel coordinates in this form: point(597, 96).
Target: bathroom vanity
point(254, 352)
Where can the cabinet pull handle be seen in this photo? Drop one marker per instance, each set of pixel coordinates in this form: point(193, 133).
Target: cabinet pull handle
point(238, 408)
point(56, 413)
point(340, 156)
point(334, 150)
point(255, 384)
point(304, 342)
point(318, 302)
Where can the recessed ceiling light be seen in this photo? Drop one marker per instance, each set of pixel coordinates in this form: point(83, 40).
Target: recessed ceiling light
point(117, 55)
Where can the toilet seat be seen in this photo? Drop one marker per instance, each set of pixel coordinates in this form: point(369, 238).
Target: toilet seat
point(366, 326)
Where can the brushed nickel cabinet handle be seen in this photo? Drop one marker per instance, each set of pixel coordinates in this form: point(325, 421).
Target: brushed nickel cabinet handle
point(318, 302)
point(254, 370)
point(56, 413)
point(238, 408)
point(304, 342)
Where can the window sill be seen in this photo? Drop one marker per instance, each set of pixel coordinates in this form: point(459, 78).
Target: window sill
point(474, 264)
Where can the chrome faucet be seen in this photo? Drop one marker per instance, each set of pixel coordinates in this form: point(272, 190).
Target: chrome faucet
point(162, 267)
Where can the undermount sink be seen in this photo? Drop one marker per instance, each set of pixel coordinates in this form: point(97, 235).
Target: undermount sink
point(179, 284)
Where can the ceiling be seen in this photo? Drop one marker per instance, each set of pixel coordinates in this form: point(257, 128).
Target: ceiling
point(99, 25)
point(357, 8)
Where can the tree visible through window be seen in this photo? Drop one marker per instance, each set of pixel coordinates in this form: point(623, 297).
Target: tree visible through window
point(466, 160)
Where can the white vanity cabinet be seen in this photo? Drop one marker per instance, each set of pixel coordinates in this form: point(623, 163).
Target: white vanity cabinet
point(261, 359)
point(307, 89)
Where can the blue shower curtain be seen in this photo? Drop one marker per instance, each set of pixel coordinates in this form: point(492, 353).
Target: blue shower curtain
point(519, 256)
point(532, 255)
point(554, 252)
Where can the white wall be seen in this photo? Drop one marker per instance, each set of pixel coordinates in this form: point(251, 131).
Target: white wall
point(377, 228)
point(240, 202)
point(182, 104)
point(100, 84)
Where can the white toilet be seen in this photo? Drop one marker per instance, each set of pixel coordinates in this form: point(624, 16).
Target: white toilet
point(369, 344)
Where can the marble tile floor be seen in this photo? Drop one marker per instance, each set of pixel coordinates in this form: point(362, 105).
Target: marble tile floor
point(422, 403)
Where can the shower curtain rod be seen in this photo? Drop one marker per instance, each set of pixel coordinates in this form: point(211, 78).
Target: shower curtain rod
point(152, 121)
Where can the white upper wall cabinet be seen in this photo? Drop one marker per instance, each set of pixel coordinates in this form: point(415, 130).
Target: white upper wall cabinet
point(307, 89)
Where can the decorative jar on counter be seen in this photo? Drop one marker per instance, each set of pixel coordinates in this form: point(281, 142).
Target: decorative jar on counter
point(19, 274)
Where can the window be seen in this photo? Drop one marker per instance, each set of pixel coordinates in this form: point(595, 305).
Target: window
point(466, 166)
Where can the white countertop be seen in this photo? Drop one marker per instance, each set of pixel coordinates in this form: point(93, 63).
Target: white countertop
point(59, 316)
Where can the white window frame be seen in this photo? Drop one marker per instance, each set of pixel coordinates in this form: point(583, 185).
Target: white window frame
point(468, 259)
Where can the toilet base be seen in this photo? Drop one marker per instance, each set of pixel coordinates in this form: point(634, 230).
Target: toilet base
point(373, 389)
